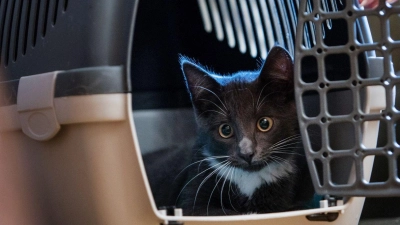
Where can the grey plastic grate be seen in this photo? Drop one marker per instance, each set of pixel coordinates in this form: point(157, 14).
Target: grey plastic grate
point(333, 82)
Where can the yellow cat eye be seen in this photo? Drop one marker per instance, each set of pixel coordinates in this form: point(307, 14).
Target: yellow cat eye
point(225, 130)
point(264, 124)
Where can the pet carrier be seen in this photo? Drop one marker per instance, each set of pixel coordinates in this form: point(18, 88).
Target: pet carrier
point(72, 72)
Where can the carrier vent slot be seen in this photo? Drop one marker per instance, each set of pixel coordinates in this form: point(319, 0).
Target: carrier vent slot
point(46, 16)
point(7, 31)
point(255, 26)
point(23, 23)
point(65, 5)
point(54, 20)
point(3, 8)
point(25, 34)
point(35, 23)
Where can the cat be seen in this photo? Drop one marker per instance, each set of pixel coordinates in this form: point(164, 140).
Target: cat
point(248, 156)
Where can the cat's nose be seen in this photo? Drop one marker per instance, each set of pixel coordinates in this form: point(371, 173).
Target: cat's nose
point(248, 157)
point(246, 151)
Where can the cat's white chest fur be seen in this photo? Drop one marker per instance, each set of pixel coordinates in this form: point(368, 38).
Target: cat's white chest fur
point(248, 182)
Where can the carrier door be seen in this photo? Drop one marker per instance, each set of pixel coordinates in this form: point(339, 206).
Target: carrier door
point(351, 77)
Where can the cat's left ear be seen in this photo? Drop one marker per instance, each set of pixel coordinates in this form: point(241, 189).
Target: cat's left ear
point(278, 65)
point(199, 83)
point(278, 70)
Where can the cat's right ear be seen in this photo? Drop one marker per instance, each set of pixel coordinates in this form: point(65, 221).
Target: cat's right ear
point(199, 82)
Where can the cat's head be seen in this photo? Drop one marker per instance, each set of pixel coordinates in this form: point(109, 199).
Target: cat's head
point(247, 115)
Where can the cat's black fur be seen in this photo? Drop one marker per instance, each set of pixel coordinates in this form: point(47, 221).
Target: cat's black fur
point(206, 186)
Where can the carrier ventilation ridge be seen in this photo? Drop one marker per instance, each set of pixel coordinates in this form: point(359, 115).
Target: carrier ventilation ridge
point(23, 23)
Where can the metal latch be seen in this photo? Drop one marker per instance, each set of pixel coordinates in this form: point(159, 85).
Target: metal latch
point(35, 106)
point(329, 201)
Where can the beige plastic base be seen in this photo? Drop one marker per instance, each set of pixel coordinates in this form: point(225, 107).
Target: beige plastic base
point(350, 216)
point(92, 173)
point(87, 174)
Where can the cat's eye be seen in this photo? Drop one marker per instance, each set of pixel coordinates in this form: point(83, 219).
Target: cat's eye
point(264, 124)
point(225, 130)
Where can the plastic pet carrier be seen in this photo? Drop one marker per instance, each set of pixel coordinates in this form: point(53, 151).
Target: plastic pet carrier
point(88, 87)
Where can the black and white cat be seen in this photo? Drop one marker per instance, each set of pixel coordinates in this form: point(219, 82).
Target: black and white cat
point(248, 157)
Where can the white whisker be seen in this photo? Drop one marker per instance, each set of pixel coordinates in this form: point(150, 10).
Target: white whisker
point(252, 97)
point(287, 153)
point(223, 185)
point(262, 102)
point(205, 180)
point(275, 161)
point(209, 200)
point(209, 159)
point(200, 161)
point(214, 104)
point(230, 188)
point(197, 176)
point(289, 144)
point(288, 139)
point(213, 94)
point(259, 96)
point(285, 147)
point(278, 159)
point(212, 111)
